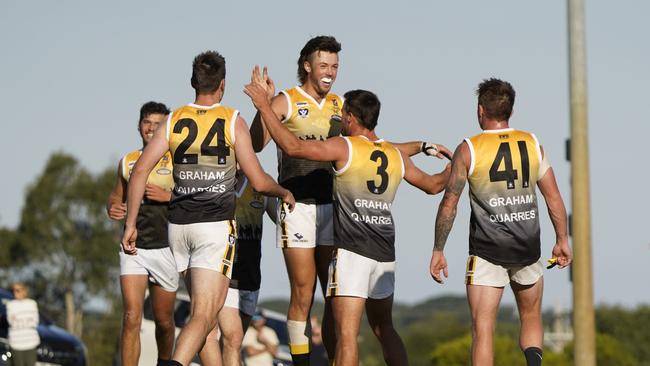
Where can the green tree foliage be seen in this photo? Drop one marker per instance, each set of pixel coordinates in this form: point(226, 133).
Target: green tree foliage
point(630, 327)
point(66, 238)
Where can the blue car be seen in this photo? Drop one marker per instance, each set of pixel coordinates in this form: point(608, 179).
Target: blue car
point(57, 347)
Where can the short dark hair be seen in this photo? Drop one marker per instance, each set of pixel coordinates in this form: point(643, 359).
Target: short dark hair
point(497, 98)
point(320, 43)
point(208, 69)
point(152, 108)
point(364, 105)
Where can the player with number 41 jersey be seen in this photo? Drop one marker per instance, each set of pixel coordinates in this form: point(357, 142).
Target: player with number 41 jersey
point(502, 176)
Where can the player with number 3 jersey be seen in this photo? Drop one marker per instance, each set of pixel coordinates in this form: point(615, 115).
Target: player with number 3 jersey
point(367, 173)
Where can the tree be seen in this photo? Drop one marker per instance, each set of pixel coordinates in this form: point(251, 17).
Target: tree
point(67, 236)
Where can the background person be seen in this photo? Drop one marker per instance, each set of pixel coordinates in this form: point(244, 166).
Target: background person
point(22, 316)
point(260, 343)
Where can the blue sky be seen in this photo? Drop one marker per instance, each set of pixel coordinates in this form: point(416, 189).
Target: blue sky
point(74, 74)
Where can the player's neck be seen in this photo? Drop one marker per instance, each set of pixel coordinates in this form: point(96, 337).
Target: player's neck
point(370, 135)
point(311, 90)
point(208, 99)
point(492, 124)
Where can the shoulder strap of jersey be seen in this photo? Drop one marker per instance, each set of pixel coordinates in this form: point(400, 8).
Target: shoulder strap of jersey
point(349, 161)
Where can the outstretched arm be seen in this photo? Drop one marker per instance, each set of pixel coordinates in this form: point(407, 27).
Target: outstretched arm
point(155, 149)
point(259, 134)
point(557, 212)
point(447, 211)
point(415, 147)
point(430, 184)
point(259, 180)
point(334, 149)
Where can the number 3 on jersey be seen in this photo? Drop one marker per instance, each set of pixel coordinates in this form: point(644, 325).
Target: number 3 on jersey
point(381, 172)
point(221, 151)
point(509, 174)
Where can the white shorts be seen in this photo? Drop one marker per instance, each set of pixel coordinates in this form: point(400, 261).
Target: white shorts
point(209, 245)
point(307, 226)
point(244, 300)
point(158, 264)
point(484, 273)
point(351, 274)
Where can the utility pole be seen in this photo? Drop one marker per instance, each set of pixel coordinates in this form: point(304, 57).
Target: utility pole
point(583, 303)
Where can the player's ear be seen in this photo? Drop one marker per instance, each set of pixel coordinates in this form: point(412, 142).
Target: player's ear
point(307, 66)
point(222, 86)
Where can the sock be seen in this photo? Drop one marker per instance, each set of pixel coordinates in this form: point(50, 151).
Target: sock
point(298, 342)
point(162, 362)
point(173, 363)
point(533, 356)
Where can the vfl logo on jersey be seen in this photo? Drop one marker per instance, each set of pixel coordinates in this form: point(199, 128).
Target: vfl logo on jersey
point(301, 104)
point(163, 171)
point(303, 112)
point(504, 137)
point(201, 111)
point(335, 105)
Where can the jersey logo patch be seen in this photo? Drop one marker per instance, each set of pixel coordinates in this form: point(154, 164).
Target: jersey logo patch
point(163, 171)
point(303, 112)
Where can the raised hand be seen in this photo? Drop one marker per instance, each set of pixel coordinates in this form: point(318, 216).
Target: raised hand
point(261, 88)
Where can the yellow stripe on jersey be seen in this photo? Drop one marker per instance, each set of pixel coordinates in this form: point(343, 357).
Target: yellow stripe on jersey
point(229, 254)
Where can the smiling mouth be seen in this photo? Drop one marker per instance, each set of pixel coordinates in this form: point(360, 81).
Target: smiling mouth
point(149, 135)
point(327, 81)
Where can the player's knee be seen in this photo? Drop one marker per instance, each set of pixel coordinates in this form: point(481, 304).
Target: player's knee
point(131, 320)
point(232, 340)
point(165, 325)
point(483, 327)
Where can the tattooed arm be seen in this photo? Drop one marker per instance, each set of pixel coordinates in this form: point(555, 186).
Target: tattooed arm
point(447, 210)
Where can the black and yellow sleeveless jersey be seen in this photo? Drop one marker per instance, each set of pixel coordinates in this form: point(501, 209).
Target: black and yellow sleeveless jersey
point(364, 190)
point(309, 181)
point(202, 145)
point(249, 214)
point(504, 224)
point(151, 222)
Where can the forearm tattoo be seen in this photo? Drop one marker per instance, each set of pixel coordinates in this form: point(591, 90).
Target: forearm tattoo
point(447, 210)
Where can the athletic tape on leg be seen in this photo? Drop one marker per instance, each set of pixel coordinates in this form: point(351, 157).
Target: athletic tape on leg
point(298, 339)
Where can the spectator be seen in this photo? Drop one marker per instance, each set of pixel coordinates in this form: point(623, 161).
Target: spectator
point(260, 343)
point(22, 316)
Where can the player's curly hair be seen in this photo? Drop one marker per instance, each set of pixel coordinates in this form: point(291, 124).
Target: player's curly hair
point(152, 108)
point(208, 69)
point(364, 105)
point(497, 98)
point(319, 43)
